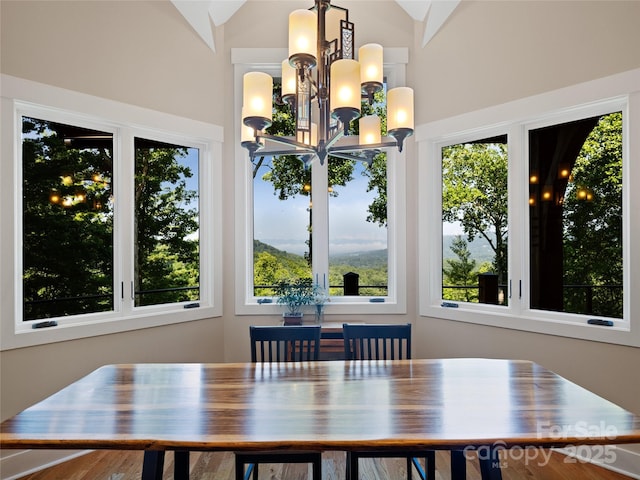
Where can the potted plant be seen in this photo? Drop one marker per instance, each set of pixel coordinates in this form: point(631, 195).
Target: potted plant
point(294, 294)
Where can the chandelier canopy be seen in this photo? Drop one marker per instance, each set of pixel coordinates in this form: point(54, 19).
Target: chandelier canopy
point(324, 86)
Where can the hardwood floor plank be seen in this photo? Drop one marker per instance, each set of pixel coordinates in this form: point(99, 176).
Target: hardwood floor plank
point(127, 465)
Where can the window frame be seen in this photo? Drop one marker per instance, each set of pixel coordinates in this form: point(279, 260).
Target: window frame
point(269, 60)
point(25, 98)
point(616, 93)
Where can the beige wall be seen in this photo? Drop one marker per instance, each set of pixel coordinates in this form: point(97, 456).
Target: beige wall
point(492, 52)
point(144, 53)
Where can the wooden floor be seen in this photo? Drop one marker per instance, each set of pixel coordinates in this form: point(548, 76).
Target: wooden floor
point(116, 465)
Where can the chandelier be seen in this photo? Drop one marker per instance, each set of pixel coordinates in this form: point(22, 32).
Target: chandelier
point(324, 86)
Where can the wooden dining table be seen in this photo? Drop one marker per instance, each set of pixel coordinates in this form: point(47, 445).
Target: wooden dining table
point(466, 405)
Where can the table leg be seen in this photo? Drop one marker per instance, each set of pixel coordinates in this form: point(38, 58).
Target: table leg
point(458, 465)
point(490, 467)
point(181, 465)
point(153, 465)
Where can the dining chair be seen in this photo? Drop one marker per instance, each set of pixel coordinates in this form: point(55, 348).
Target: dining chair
point(297, 343)
point(383, 342)
point(286, 343)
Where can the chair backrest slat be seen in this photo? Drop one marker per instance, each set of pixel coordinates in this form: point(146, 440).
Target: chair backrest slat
point(377, 342)
point(295, 343)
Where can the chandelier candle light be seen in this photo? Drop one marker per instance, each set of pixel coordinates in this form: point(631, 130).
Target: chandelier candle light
point(324, 85)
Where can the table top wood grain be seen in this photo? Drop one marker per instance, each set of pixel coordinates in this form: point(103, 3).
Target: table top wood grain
point(386, 405)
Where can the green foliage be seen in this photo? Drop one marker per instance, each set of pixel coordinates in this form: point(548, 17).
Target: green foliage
point(295, 294)
point(272, 266)
point(460, 272)
point(67, 243)
point(474, 193)
point(593, 229)
point(68, 223)
point(164, 227)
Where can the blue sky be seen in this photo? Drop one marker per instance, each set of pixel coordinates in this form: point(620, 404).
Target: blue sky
point(283, 224)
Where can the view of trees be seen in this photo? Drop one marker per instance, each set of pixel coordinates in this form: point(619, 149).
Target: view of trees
point(290, 177)
point(68, 222)
point(167, 253)
point(592, 220)
point(474, 193)
point(461, 272)
point(272, 266)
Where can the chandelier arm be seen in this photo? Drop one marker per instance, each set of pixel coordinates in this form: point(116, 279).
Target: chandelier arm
point(367, 158)
point(355, 148)
point(346, 156)
point(294, 153)
point(285, 141)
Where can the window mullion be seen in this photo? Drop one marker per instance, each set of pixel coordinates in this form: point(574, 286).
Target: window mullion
point(518, 217)
point(320, 222)
point(124, 220)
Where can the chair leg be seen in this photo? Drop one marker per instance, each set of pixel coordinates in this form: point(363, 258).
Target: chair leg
point(410, 462)
point(317, 468)
point(458, 465)
point(347, 467)
point(181, 465)
point(430, 465)
point(239, 469)
point(490, 467)
point(352, 466)
point(153, 465)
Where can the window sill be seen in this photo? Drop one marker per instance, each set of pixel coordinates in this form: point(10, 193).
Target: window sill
point(534, 322)
point(24, 336)
point(339, 307)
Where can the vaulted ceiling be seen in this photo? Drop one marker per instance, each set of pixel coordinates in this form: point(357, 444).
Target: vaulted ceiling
point(201, 14)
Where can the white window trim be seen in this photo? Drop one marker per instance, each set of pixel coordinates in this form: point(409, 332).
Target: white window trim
point(269, 60)
point(604, 95)
point(20, 97)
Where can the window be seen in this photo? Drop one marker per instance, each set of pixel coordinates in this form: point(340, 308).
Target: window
point(282, 234)
point(338, 223)
point(117, 227)
point(358, 246)
point(285, 194)
point(575, 216)
point(475, 221)
point(67, 227)
point(167, 266)
point(560, 202)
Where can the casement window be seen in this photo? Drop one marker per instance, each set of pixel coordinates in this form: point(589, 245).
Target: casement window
point(340, 223)
point(475, 222)
point(536, 207)
point(115, 224)
point(576, 216)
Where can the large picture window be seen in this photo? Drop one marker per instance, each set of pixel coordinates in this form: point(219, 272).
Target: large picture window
point(337, 224)
point(113, 226)
point(536, 207)
point(354, 204)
